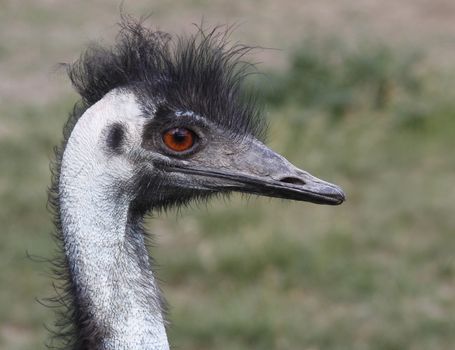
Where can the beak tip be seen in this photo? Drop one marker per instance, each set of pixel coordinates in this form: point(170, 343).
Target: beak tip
point(334, 195)
point(341, 200)
point(340, 196)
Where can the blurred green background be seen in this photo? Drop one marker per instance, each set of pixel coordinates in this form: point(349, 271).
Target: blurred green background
point(360, 93)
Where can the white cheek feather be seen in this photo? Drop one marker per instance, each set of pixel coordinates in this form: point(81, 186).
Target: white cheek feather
point(110, 278)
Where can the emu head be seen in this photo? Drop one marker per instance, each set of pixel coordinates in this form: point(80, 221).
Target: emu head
point(190, 130)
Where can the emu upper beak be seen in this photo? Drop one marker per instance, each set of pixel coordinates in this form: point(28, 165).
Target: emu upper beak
point(259, 170)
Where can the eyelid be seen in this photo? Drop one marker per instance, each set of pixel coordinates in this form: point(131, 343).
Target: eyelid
point(198, 126)
point(189, 120)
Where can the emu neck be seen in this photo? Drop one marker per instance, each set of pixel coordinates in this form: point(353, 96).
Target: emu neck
point(116, 294)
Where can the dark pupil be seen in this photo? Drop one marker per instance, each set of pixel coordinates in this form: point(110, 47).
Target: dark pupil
point(179, 135)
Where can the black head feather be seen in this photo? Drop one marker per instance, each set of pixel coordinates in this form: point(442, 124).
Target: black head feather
point(200, 73)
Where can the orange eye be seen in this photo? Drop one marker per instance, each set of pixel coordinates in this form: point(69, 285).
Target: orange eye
point(179, 139)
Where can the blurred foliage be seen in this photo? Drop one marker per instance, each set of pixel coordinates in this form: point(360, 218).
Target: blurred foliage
point(327, 75)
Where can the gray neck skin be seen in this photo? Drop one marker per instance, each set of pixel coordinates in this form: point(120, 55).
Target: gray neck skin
point(108, 260)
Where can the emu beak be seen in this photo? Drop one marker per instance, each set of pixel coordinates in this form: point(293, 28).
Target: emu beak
point(259, 170)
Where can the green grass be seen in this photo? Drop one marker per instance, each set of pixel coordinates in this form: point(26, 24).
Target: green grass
point(376, 273)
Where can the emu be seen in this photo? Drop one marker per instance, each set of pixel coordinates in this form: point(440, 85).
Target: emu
point(162, 121)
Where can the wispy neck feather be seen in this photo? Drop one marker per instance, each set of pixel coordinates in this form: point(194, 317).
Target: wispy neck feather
point(115, 291)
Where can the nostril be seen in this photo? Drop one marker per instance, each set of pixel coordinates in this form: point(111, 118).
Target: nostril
point(292, 180)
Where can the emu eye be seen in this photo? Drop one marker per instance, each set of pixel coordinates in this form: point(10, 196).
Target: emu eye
point(179, 139)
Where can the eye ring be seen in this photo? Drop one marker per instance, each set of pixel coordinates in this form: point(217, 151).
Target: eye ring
point(179, 139)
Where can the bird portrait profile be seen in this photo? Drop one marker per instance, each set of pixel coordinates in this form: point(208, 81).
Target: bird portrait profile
point(163, 120)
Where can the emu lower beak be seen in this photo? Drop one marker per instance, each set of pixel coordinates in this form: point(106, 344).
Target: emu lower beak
point(259, 170)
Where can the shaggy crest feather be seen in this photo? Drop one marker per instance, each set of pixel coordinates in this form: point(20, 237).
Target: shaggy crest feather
point(201, 73)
